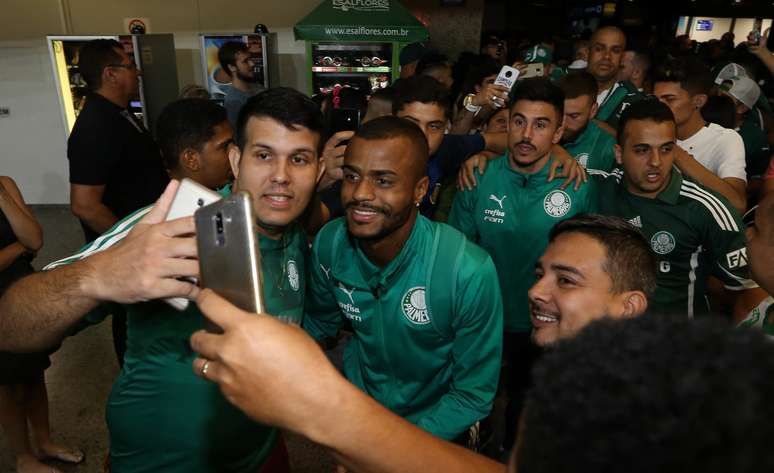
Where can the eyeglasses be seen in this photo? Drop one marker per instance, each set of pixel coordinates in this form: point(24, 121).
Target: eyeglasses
point(131, 66)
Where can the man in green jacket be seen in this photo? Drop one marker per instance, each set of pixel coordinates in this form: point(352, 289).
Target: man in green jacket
point(161, 417)
point(510, 213)
point(586, 141)
point(423, 302)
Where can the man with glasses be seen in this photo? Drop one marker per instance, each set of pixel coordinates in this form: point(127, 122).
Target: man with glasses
point(115, 165)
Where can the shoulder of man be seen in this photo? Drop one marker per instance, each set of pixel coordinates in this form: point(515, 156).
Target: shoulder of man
point(108, 239)
point(709, 206)
point(330, 239)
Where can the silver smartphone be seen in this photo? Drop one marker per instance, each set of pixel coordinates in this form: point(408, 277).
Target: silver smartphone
point(229, 256)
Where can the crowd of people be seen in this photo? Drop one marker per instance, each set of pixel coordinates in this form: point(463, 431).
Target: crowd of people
point(595, 243)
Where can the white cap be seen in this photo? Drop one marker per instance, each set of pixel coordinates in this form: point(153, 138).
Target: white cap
point(578, 64)
point(730, 71)
point(743, 89)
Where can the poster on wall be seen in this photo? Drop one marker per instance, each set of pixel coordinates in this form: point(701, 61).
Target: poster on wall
point(217, 79)
point(703, 25)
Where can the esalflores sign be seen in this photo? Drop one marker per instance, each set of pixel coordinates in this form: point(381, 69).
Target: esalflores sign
point(362, 5)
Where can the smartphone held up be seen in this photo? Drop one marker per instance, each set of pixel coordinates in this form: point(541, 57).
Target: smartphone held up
point(229, 256)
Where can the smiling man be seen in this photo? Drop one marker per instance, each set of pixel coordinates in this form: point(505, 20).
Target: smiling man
point(512, 210)
point(693, 232)
point(161, 417)
point(612, 277)
point(423, 302)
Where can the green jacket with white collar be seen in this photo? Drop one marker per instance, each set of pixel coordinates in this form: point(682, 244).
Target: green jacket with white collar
point(428, 326)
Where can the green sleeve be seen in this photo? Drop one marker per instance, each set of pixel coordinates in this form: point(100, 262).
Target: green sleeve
point(608, 155)
point(461, 215)
point(724, 239)
point(477, 351)
point(322, 317)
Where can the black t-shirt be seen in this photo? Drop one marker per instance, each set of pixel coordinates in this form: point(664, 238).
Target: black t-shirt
point(109, 146)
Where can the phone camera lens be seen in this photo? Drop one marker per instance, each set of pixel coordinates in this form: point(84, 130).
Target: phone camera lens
point(508, 73)
point(200, 202)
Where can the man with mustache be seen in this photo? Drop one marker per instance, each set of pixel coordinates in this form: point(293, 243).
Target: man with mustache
point(694, 232)
point(423, 302)
point(607, 50)
point(510, 212)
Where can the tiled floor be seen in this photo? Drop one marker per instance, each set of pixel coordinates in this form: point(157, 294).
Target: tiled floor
point(83, 371)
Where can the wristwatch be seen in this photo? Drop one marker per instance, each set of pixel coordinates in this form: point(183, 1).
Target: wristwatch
point(467, 102)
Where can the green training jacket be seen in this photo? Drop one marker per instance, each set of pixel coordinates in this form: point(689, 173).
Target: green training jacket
point(428, 326)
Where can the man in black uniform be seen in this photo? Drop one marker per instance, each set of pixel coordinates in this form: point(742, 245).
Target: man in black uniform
point(115, 166)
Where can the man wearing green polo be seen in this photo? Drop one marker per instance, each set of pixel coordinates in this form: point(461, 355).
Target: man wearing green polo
point(694, 232)
point(586, 141)
point(510, 213)
point(423, 302)
point(161, 416)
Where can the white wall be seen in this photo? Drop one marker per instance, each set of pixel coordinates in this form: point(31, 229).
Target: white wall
point(719, 26)
point(33, 149)
point(742, 28)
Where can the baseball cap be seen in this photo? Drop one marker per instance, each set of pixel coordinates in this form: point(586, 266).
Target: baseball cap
point(742, 89)
point(729, 71)
point(578, 64)
point(411, 53)
point(538, 53)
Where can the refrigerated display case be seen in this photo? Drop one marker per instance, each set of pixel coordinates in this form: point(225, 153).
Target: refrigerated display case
point(154, 55)
point(262, 55)
point(356, 43)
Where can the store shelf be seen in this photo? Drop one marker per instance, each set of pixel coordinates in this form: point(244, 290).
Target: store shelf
point(350, 69)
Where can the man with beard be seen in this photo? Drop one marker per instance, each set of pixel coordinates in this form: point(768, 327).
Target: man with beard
point(235, 59)
point(423, 302)
point(586, 141)
point(613, 276)
point(161, 417)
point(510, 212)
point(607, 49)
point(694, 232)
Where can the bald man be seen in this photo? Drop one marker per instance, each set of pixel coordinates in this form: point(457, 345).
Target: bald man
point(606, 52)
point(424, 303)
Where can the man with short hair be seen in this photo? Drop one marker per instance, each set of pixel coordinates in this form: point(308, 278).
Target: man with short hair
point(193, 428)
point(607, 46)
point(115, 165)
point(424, 304)
point(693, 232)
point(586, 141)
point(424, 101)
point(634, 68)
point(195, 137)
point(510, 212)
point(613, 276)
point(236, 61)
point(683, 85)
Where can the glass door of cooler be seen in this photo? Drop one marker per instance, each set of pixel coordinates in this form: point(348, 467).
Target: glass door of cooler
point(364, 66)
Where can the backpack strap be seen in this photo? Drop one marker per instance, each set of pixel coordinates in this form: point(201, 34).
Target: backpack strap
point(441, 285)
